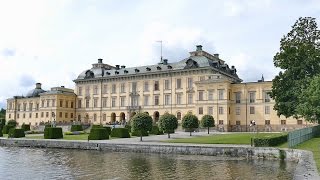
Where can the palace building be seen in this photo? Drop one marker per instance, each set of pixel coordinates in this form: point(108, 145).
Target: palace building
point(200, 84)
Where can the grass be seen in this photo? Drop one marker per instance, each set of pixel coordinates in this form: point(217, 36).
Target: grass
point(312, 145)
point(233, 138)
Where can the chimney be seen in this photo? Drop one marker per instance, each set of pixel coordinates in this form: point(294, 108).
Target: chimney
point(38, 85)
point(199, 48)
point(62, 86)
point(117, 66)
point(165, 61)
point(100, 61)
point(216, 55)
point(122, 67)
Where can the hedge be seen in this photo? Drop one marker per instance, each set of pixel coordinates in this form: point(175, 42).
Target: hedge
point(1, 134)
point(137, 133)
point(25, 127)
point(53, 133)
point(128, 127)
point(155, 130)
point(120, 133)
point(108, 129)
point(16, 133)
point(96, 126)
point(270, 141)
point(6, 129)
point(98, 134)
point(77, 127)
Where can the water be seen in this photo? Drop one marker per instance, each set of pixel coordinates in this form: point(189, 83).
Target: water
point(28, 163)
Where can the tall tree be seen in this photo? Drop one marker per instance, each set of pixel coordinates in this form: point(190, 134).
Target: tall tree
point(168, 123)
point(299, 58)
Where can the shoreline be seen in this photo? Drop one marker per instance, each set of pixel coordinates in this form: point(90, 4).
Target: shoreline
point(305, 169)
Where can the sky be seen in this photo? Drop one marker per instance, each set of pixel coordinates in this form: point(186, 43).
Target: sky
point(53, 41)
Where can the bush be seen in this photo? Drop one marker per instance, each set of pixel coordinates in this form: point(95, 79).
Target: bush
point(1, 134)
point(128, 127)
point(138, 133)
point(53, 133)
point(168, 123)
point(120, 133)
point(77, 127)
point(2, 123)
point(98, 134)
point(6, 129)
point(96, 126)
point(207, 121)
point(16, 133)
point(155, 130)
point(108, 129)
point(270, 141)
point(25, 127)
point(141, 122)
point(12, 123)
point(190, 122)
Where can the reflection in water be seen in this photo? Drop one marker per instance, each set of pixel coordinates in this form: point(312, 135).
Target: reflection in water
point(28, 163)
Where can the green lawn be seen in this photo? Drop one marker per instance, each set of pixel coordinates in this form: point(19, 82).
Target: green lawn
point(232, 138)
point(312, 145)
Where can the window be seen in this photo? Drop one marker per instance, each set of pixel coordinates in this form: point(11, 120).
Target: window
point(71, 104)
point(37, 107)
point(266, 96)
point(179, 84)
point(105, 89)
point(200, 95)
point(156, 85)
point(122, 101)
point(42, 114)
point(18, 116)
point(238, 123)
point(167, 99)
point(135, 101)
point(53, 102)
point(66, 115)
point(67, 104)
point(36, 115)
point(251, 109)
point(146, 86)
point(156, 100)
point(200, 110)
point(104, 102)
point(87, 103)
point(166, 84)
point(238, 97)
point(123, 88)
point(179, 115)
point(220, 122)
point(114, 88)
point(220, 110)
point(267, 122)
point(299, 122)
point(42, 103)
point(252, 97)
point(24, 106)
point(283, 122)
point(210, 95)
point(79, 103)
point(95, 89)
point(23, 115)
point(104, 117)
point(238, 110)
point(190, 83)
point(80, 91)
point(95, 102)
point(210, 110)
point(190, 98)
point(267, 109)
point(9, 116)
point(113, 102)
point(87, 90)
point(220, 94)
point(94, 117)
point(79, 117)
point(71, 115)
point(19, 107)
point(202, 78)
point(30, 115)
point(146, 100)
point(134, 86)
point(179, 99)
point(30, 106)
point(47, 114)
point(61, 103)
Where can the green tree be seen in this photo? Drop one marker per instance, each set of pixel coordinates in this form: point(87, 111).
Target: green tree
point(309, 107)
point(299, 58)
point(12, 123)
point(141, 122)
point(168, 123)
point(207, 121)
point(190, 122)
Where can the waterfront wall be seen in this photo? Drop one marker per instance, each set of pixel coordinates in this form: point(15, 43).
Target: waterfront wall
point(306, 168)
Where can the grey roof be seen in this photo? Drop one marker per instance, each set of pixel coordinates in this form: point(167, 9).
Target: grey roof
point(35, 92)
point(197, 62)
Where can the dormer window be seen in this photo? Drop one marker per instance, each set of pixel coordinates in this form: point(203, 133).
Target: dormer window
point(125, 71)
point(158, 68)
point(148, 69)
point(107, 73)
point(169, 67)
point(116, 72)
point(136, 70)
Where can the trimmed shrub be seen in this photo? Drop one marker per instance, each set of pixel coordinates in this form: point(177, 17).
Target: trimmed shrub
point(168, 123)
point(16, 133)
point(141, 122)
point(98, 134)
point(47, 126)
point(138, 133)
point(170, 131)
point(25, 127)
point(6, 129)
point(155, 130)
point(74, 132)
point(128, 127)
point(77, 127)
point(12, 123)
point(270, 141)
point(207, 121)
point(53, 133)
point(120, 133)
point(190, 122)
point(108, 129)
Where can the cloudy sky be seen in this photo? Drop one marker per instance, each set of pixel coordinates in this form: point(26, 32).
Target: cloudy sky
point(52, 41)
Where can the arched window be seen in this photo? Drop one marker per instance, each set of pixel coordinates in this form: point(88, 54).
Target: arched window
point(79, 117)
point(156, 116)
point(179, 115)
